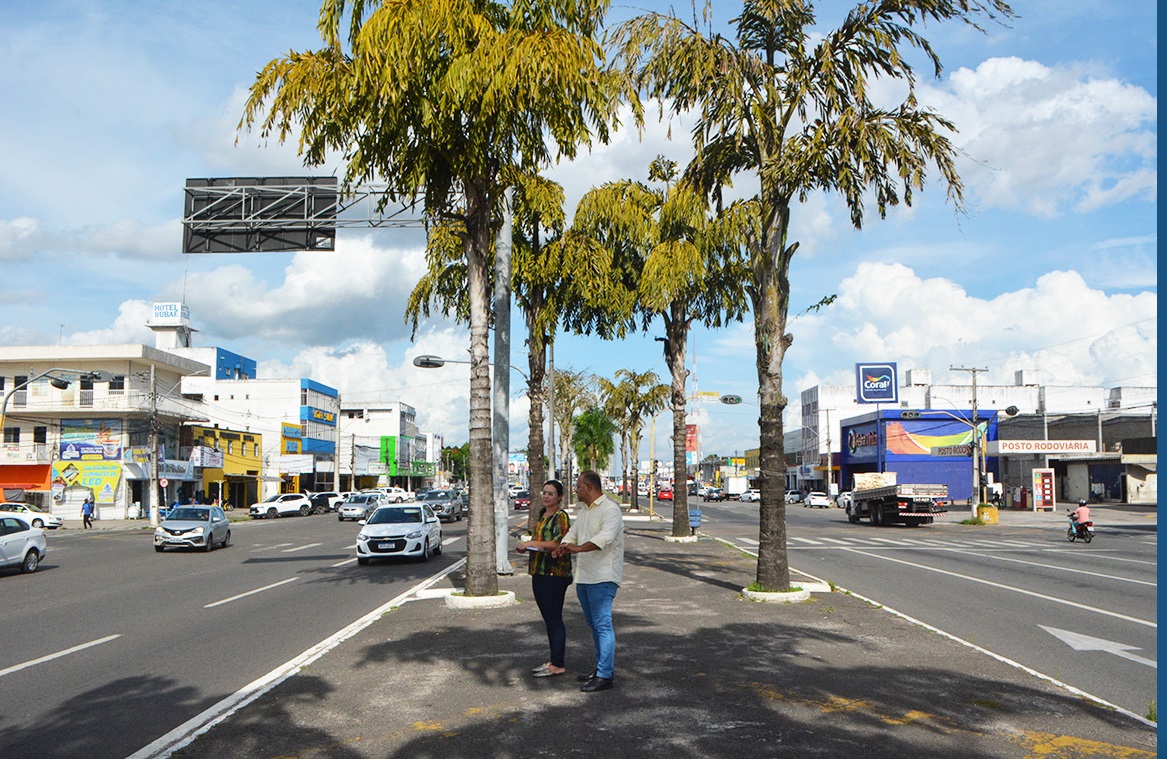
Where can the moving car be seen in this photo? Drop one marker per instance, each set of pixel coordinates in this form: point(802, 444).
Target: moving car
point(714, 494)
point(35, 516)
point(447, 504)
point(21, 545)
point(844, 499)
point(322, 503)
point(818, 499)
point(281, 505)
point(665, 494)
point(410, 529)
point(753, 495)
point(521, 501)
point(360, 505)
point(793, 496)
point(193, 527)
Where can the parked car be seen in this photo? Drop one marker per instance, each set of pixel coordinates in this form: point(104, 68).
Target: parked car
point(794, 496)
point(521, 501)
point(714, 494)
point(753, 495)
point(412, 529)
point(844, 499)
point(34, 515)
point(281, 505)
point(447, 504)
point(360, 505)
point(193, 527)
point(21, 545)
point(665, 494)
point(322, 503)
point(818, 499)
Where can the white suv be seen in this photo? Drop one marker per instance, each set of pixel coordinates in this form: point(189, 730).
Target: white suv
point(753, 495)
point(281, 505)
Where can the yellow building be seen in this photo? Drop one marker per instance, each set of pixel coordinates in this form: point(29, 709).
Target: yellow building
point(228, 464)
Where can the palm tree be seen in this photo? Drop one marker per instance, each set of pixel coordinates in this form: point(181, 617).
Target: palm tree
point(616, 401)
point(455, 102)
point(592, 438)
point(789, 104)
point(686, 265)
point(573, 394)
point(645, 397)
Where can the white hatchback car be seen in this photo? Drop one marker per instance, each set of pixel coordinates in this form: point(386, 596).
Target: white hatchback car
point(21, 545)
point(34, 516)
point(817, 499)
point(410, 529)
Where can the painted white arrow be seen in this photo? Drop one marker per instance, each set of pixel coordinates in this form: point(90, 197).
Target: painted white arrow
point(1080, 642)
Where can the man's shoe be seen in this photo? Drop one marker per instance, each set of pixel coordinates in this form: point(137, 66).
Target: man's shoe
point(597, 683)
point(589, 676)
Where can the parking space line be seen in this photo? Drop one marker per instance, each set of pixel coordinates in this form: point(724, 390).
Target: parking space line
point(58, 655)
point(251, 592)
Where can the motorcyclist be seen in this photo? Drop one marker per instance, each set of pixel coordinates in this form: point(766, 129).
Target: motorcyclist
point(1080, 515)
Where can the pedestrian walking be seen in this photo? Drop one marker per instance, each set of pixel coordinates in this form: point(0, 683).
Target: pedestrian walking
point(550, 576)
point(595, 541)
point(87, 513)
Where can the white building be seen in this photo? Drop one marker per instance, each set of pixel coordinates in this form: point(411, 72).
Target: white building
point(68, 435)
point(381, 445)
point(296, 417)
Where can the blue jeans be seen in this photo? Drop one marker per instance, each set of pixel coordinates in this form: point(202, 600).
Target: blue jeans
point(549, 592)
point(596, 601)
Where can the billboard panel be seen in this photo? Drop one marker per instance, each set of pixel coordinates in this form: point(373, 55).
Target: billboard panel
point(876, 383)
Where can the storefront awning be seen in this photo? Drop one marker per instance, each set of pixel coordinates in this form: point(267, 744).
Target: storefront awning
point(25, 476)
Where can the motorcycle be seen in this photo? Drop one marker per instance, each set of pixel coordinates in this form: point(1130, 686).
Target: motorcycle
point(1083, 531)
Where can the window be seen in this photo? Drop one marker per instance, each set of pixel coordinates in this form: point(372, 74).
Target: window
point(40, 435)
point(19, 393)
point(117, 384)
point(230, 447)
point(12, 435)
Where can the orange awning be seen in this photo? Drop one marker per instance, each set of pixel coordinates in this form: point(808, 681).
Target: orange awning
point(25, 476)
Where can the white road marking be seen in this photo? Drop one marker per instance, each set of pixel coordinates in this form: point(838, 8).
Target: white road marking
point(1061, 569)
point(58, 655)
point(301, 548)
point(1080, 642)
point(261, 547)
point(752, 542)
point(195, 726)
point(251, 592)
point(838, 542)
point(1001, 586)
point(342, 563)
point(808, 541)
point(454, 539)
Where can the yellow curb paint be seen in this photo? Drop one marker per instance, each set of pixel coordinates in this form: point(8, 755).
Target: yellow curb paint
point(1050, 746)
point(427, 725)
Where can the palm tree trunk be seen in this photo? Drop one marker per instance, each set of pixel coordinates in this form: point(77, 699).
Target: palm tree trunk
point(481, 571)
point(770, 297)
point(677, 330)
point(536, 363)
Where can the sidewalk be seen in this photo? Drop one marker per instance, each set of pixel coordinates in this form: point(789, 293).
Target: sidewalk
point(700, 673)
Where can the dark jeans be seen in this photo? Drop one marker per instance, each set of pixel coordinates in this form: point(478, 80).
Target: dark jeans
point(549, 594)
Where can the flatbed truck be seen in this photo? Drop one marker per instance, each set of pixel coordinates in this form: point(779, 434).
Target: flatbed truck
point(891, 503)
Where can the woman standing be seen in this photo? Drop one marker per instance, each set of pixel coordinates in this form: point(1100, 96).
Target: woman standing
point(550, 576)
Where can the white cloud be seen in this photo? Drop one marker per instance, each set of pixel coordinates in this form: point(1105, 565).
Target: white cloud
point(1049, 140)
point(128, 327)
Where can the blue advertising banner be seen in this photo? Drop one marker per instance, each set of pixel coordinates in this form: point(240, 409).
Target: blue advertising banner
point(876, 383)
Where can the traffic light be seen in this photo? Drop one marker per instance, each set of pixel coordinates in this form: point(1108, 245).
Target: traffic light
point(909, 415)
point(1012, 411)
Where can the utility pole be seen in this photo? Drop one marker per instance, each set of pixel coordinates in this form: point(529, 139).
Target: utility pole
point(978, 447)
point(352, 464)
point(155, 458)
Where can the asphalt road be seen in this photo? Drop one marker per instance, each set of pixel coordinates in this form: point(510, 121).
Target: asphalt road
point(1084, 615)
point(111, 645)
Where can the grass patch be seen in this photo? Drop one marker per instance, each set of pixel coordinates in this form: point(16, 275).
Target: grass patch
point(1153, 712)
point(989, 704)
point(757, 587)
point(975, 521)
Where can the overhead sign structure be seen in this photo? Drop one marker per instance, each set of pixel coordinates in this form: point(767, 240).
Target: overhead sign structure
point(876, 383)
point(259, 214)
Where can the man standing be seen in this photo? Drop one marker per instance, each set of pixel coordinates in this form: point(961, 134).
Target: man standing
point(596, 542)
point(87, 513)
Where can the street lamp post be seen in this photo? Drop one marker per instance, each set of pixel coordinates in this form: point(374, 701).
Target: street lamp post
point(57, 382)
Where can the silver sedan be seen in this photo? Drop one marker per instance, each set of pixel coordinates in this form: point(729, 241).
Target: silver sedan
point(193, 527)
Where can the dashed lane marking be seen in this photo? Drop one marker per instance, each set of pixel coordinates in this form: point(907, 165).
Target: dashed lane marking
point(58, 655)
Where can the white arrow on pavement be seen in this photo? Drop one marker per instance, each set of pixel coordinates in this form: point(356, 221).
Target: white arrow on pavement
point(1080, 642)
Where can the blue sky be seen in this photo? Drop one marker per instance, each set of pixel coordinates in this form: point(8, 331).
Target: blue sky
point(110, 106)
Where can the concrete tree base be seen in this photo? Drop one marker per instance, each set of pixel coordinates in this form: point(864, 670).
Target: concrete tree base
point(683, 539)
point(789, 597)
point(502, 600)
